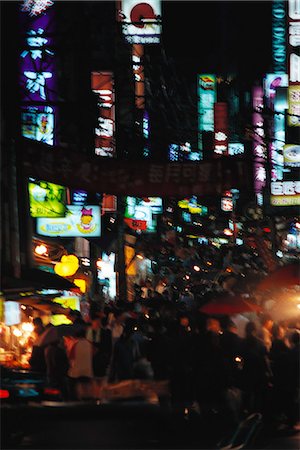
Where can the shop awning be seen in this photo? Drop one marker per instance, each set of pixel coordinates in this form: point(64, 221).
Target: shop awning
point(33, 280)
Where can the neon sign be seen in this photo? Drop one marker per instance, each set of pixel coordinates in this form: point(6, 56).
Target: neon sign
point(278, 31)
point(38, 73)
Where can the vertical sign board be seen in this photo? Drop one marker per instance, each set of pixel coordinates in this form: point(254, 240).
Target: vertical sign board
point(221, 128)
point(103, 87)
point(278, 35)
point(259, 150)
point(206, 100)
point(38, 72)
point(141, 21)
point(138, 73)
point(272, 82)
point(293, 49)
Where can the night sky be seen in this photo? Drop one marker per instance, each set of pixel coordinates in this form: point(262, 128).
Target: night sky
point(220, 36)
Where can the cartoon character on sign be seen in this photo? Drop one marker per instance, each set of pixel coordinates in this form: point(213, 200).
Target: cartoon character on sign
point(86, 224)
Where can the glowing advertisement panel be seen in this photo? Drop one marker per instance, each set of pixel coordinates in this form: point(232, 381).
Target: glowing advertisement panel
point(12, 313)
point(259, 150)
point(68, 303)
point(46, 199)
point(38, 123)
point(103, 88)
point(272, 83)
point(207, 97)
point(293, 49)
point(236, 148)
point(141, 21)
point(140, 212)
point(291, 155)
point(78, 222)
point(38, 79)
point(279, 35)
point(285, 193)
point(221, 128)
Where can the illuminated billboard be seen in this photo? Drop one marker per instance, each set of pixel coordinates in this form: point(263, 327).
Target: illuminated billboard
point(293, 49)
point(206, 99)
point(139, 213)
point(285, 193)
point(221, 128)
point(141, 21)
point(46, 199)
point(103, 87)
point(80, 221)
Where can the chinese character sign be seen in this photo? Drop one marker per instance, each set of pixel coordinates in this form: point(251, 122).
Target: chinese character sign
point(38, 72)
point(221, 128)
point(294, 62)
point(141, 21)
point(103, 87)
point(259, 149)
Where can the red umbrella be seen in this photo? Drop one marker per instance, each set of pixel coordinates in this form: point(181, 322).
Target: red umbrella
point(284, 277)
point(229, 305)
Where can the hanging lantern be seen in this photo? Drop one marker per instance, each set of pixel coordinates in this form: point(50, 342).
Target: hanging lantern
point(68, 265)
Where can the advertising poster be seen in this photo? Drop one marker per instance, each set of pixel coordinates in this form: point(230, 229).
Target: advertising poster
point(80, 221)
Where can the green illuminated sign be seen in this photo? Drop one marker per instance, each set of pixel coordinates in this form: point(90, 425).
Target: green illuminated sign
point(46, 199)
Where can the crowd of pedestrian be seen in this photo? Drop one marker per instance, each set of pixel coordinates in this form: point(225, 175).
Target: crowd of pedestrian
point(208, 362)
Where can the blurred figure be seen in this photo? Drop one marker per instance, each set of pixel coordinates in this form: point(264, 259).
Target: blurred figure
point(265, 333)
point(57, 366)
point(256, 372)
point(126, 353)
point(293, 381)
point(279, 356)
point(101, 340)
point(37, 360)
point(80, 373)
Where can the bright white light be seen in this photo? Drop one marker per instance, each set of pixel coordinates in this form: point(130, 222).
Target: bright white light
point(279, 254)
point(27, 326)
point(17, 332)
point(41, 249)
point(196, 268)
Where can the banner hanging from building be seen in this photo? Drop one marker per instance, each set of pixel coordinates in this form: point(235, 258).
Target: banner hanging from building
point(135, 178)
